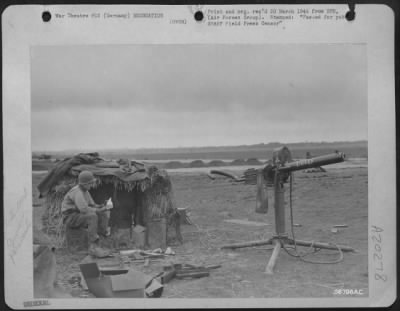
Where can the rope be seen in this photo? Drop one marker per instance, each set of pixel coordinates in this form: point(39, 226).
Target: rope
point(297, 254)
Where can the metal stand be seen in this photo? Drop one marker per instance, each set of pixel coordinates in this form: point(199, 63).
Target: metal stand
point(281, 236)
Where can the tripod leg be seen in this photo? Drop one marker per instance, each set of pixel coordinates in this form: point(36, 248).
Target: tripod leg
point(271, 263)
point(247, 244)
point(322, 245)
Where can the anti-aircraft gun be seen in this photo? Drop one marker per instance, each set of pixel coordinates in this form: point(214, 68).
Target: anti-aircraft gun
point(276, 175)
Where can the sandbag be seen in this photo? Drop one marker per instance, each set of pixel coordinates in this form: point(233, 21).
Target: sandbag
point(45, 268)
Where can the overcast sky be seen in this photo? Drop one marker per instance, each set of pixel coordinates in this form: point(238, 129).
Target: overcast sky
point(142, 96)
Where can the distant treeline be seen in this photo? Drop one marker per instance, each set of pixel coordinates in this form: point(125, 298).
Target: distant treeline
point(355, 149)
point(213, 163)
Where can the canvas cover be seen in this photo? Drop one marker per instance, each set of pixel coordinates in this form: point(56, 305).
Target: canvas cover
point(91, 162)
point(136, 174)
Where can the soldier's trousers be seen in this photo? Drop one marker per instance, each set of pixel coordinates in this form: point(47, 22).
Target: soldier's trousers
point(96, 223)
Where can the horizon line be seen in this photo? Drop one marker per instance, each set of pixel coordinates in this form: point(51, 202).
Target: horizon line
point(195, 147)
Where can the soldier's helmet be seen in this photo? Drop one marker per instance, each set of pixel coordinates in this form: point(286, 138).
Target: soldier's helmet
point(86, 177)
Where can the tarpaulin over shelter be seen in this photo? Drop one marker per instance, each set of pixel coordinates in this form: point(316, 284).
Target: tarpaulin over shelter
point(116, 175)
point(63, 167)
point(105, 171)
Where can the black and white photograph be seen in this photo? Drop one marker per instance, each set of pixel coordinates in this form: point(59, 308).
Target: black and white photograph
point(200, 170)
point(194, 146)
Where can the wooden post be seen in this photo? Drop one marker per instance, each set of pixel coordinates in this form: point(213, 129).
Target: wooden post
point(272, 261)
point(262, 195)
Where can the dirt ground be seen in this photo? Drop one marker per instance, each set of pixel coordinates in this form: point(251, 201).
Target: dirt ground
point(320, 201)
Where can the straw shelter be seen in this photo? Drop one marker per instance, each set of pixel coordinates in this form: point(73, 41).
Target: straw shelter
point(140, 195)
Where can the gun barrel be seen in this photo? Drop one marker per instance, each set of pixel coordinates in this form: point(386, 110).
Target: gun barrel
point(313, 162)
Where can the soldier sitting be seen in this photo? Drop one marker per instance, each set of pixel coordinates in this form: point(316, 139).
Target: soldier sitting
point(79, 211)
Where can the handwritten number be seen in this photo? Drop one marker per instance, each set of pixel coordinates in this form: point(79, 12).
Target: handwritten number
point(377, 256)
point(376, 229)
point(375, 239)
point(381, 277)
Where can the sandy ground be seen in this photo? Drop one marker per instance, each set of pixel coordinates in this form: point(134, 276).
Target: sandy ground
point(320, 201)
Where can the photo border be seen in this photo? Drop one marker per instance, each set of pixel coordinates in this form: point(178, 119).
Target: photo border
point(17, 20)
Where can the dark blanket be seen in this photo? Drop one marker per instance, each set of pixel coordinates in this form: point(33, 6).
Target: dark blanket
point(63, 167)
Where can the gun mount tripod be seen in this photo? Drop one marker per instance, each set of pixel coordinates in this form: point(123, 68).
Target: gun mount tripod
point(278, 174)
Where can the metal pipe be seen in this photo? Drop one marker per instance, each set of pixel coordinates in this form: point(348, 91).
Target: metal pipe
point(280, 208)
point(313, 162)
point(247, 244)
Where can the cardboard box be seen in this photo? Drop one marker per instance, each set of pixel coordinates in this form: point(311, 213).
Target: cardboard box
point(124, 283)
